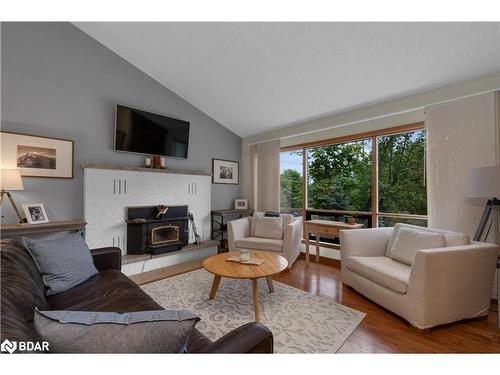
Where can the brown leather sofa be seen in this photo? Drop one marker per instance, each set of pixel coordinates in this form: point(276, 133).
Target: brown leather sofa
point(22, 290)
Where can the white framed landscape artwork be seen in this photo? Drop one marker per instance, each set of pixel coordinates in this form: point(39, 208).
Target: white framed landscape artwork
point(37, 156)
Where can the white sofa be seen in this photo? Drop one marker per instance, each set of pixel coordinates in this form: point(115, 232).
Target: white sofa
point(443, 285)
point(242, 235)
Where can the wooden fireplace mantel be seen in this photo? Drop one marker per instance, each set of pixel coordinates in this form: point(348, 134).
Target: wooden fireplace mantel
point(142, 169)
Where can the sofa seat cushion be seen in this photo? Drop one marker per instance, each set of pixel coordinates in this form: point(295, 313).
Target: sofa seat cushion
point(109, 290)
point(382, 270)
point(257, 243)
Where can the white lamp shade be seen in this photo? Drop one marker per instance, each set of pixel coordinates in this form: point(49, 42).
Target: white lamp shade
point(484, 183)
point(11, 179)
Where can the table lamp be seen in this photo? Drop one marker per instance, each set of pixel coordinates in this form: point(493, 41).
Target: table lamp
point(484, 183)
point(10, 181)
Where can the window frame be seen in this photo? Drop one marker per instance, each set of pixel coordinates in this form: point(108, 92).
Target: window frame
point(374, 214)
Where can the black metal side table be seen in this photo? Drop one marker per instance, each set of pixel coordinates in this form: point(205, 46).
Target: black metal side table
point(219, 220)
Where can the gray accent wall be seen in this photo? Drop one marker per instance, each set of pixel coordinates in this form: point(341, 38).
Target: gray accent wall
point(57, 81)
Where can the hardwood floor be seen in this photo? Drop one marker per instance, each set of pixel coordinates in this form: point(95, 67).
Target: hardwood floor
point(384, 332)
point(381, 331)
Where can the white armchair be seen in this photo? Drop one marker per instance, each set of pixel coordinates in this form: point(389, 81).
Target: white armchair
point(241, 235)
point(442, 285)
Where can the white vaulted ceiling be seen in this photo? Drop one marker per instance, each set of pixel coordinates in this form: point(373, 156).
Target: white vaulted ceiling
point(257, 77)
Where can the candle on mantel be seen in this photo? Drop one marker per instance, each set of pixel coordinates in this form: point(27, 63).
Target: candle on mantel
point(156, 162)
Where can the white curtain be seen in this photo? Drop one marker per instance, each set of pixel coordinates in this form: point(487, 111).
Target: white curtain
point(265, 174)
point(461, 136)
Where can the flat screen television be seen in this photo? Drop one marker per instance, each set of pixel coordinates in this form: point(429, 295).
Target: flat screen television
point(149, 133)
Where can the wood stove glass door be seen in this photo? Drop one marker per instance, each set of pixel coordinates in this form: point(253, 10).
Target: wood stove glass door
point(164, 234)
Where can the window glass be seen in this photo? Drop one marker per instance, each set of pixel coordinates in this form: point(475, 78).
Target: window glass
point(291, 180)
point(339, 176)
point(401, 173)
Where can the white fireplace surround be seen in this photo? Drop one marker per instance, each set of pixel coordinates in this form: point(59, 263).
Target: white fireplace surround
point(108, 190)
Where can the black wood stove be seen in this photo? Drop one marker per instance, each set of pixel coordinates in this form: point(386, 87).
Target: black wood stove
point(153, 232)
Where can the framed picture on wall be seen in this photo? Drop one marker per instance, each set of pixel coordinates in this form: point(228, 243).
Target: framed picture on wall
point(35, 213)
point(225, 172)
point(37, 156)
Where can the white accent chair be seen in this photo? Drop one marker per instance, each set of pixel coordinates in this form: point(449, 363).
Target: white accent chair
point(443, 285)
point(241, 235)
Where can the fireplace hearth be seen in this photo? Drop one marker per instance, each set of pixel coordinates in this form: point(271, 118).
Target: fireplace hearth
point(151, 232)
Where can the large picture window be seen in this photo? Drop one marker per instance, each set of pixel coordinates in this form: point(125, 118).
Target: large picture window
point(377, 177)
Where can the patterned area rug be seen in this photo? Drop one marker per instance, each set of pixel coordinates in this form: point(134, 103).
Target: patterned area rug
point(300, 322)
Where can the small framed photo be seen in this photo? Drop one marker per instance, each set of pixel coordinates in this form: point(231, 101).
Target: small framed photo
point(37, 156)
point(241, 204)
point(35, 213)
point(225, 172)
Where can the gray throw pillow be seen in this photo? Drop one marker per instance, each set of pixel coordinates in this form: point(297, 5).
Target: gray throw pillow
point(63, 262)
point(158, 331)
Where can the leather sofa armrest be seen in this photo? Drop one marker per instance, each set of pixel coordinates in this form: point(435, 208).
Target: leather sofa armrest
point(107, 258)
point(248, 338)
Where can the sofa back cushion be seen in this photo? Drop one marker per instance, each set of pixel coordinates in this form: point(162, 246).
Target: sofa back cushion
point(451, 238)
point(409, 241)
point(22, 290)
point(269, 227)
point(286, 219)
point(253, 222)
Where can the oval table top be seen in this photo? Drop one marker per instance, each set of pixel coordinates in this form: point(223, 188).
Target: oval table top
point(218, 265)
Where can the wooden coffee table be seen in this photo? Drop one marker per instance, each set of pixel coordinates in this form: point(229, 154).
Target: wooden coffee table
point(272, 265)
